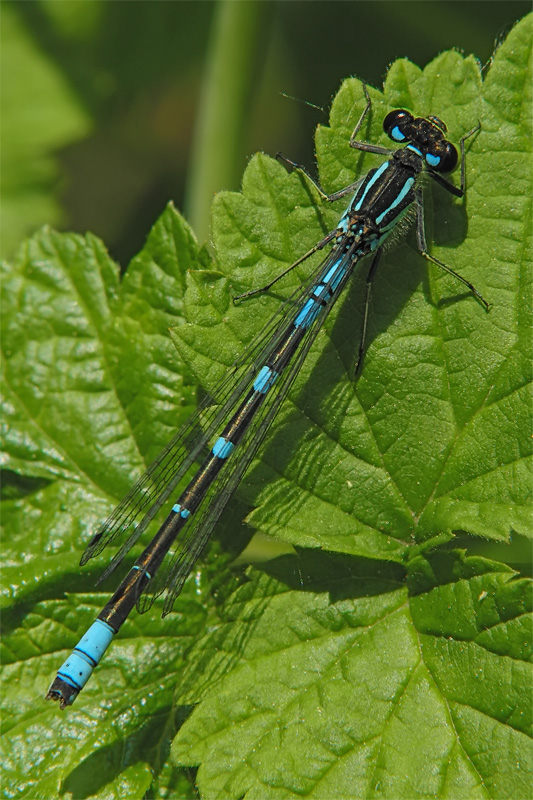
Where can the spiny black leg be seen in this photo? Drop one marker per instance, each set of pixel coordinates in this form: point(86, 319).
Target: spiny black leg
point(331, 198)
point(366, 146)
point(422, 246)
point(462, 148)
point(321, 244)
point(444, 182)
point(300, 168)
point(364, 114)
point(369, 278)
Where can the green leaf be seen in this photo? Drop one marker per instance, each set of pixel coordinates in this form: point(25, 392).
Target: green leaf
point(379, 660)
point(40, 114)
point(355, 686)
point(87, 360)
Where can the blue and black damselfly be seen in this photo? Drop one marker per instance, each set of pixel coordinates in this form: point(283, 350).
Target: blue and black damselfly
point(224, 435)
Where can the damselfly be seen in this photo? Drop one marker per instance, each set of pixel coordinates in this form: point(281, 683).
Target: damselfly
point(226, 433)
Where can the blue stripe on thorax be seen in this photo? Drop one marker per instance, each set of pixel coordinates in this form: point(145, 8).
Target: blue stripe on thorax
point(400, 197)
point(378, 173)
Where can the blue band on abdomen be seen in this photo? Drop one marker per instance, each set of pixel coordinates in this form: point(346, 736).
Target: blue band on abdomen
point(183, 512)
point(265, 379)
point(222, 448)
point(77, 669)
point(307, 314)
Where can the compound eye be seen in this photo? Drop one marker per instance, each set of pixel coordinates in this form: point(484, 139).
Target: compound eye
point(396, 125)
point(443, 159)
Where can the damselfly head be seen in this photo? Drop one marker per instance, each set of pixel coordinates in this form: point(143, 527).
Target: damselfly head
point(425, 135)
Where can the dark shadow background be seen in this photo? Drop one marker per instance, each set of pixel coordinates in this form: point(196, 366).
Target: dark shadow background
point(138, 69)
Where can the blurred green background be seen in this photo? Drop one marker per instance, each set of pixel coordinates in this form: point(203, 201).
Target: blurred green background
point(110, 109)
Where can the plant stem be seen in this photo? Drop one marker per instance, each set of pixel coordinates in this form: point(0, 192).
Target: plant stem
point(223, 108)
